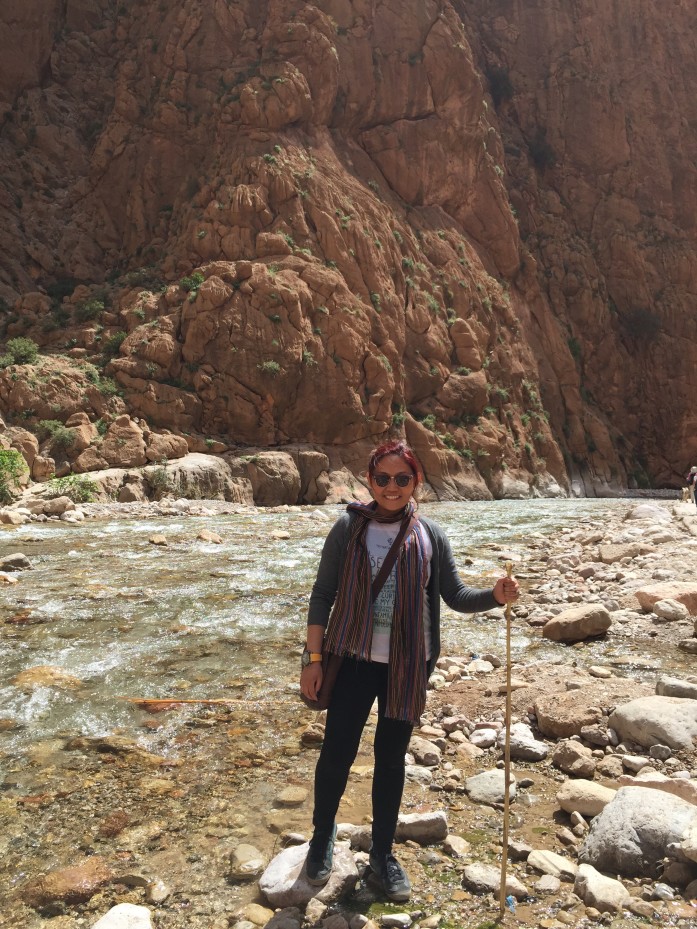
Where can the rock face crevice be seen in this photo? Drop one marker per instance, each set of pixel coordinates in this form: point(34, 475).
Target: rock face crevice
point(333, 222)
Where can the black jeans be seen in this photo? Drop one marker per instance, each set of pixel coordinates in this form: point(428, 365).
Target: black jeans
point(357, 685)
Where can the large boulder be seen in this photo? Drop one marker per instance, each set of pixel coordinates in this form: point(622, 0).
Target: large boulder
point(165, 446)
point(655, 720)
point(123, 445)
point(198, 477)
point(274, 477)
point(632, 834)
point(682, 591)
point(284, 882)
point(578, 623)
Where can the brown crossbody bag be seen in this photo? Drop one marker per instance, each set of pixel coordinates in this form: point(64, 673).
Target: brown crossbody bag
point(331, 662)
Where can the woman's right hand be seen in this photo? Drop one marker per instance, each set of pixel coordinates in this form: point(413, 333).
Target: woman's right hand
point(311, 680)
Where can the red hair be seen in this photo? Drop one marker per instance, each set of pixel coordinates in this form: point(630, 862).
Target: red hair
point(401, 450)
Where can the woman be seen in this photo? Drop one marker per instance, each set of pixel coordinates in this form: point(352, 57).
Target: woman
point(390, 647)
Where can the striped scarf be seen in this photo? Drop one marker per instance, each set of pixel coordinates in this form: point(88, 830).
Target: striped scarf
point(350, 627)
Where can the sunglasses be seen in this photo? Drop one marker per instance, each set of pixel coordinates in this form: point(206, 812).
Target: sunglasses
point(401, 480)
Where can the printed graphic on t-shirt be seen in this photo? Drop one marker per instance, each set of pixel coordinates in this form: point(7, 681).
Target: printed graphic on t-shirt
point(379, 542)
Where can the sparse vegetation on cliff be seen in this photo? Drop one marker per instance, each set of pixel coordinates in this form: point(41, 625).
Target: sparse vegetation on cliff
point(12, 467)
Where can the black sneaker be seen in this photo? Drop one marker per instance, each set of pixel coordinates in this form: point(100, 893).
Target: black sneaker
point(391, 876)
point(320, 858)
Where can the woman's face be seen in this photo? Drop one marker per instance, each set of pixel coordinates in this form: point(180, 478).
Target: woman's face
point(392, 498)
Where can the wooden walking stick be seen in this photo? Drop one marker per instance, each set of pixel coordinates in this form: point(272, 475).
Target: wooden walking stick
point(506, 756)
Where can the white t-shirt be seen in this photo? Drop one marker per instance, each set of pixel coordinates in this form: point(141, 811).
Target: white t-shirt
point(378, 540)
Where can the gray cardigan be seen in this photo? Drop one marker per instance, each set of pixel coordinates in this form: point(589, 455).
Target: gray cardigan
point(445, 581)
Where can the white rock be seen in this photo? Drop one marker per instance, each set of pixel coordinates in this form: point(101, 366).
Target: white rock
point(671, 721)
point(424, 828)
point(671, 611)
point(551, 863)
point(604, 893)
point(125, 916)
point(484, 738)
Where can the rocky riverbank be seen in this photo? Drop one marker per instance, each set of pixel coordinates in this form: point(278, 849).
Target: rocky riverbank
point(600, 749)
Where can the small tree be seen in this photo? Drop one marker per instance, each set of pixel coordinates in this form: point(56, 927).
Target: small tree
point(20, 351)
point(12, 467)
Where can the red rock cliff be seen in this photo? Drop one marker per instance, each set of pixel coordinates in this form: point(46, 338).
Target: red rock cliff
point(332, 222)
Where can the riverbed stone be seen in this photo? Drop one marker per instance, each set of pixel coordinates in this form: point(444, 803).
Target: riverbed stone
point(547, 884)
point(246, 863)
point(562, 715)
point(670, 611)
point(292, 796)
point(595, 889)
point(609, 554)
point(485, 878)
point(574, 758)
point(671, 721)
point(284, 882)
point(584, 797)
point(17, 561)
point(681, 787)
point(125, 916)
point(675, 687)
point(57, 506)
point(484, 738)
point(456, 846)
point(682, 591)
point(424, 828)
point(578, 623)
point(257, 914)
point(424, 752)
point(632, 833)
point(47, 676)
point(523, 744)
point(489, 787)
point(551, 863)
point(76, 884)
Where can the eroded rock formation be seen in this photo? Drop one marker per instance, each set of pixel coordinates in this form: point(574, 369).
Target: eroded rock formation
point(279, 222)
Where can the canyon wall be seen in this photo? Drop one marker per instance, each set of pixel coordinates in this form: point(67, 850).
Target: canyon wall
point(269, 223)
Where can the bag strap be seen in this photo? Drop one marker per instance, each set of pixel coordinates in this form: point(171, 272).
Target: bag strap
point(390, 558)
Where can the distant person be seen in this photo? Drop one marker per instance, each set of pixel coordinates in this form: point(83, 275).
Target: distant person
point(691, 481)
point(390, 641)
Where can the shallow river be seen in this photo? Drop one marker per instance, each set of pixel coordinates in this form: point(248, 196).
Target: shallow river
point(203, 620)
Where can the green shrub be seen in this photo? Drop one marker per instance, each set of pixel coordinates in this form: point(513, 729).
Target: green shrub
point(113, 343)
point(429, 421)
point(91, 309)
point(192, 283)
point(79, 487)
point(22, 351)
point(12, 467)
point(61, 436)
point(272, 368)
point(108, 387)
point(159, 480)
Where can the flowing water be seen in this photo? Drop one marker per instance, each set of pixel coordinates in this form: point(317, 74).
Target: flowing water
point(197, 619)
